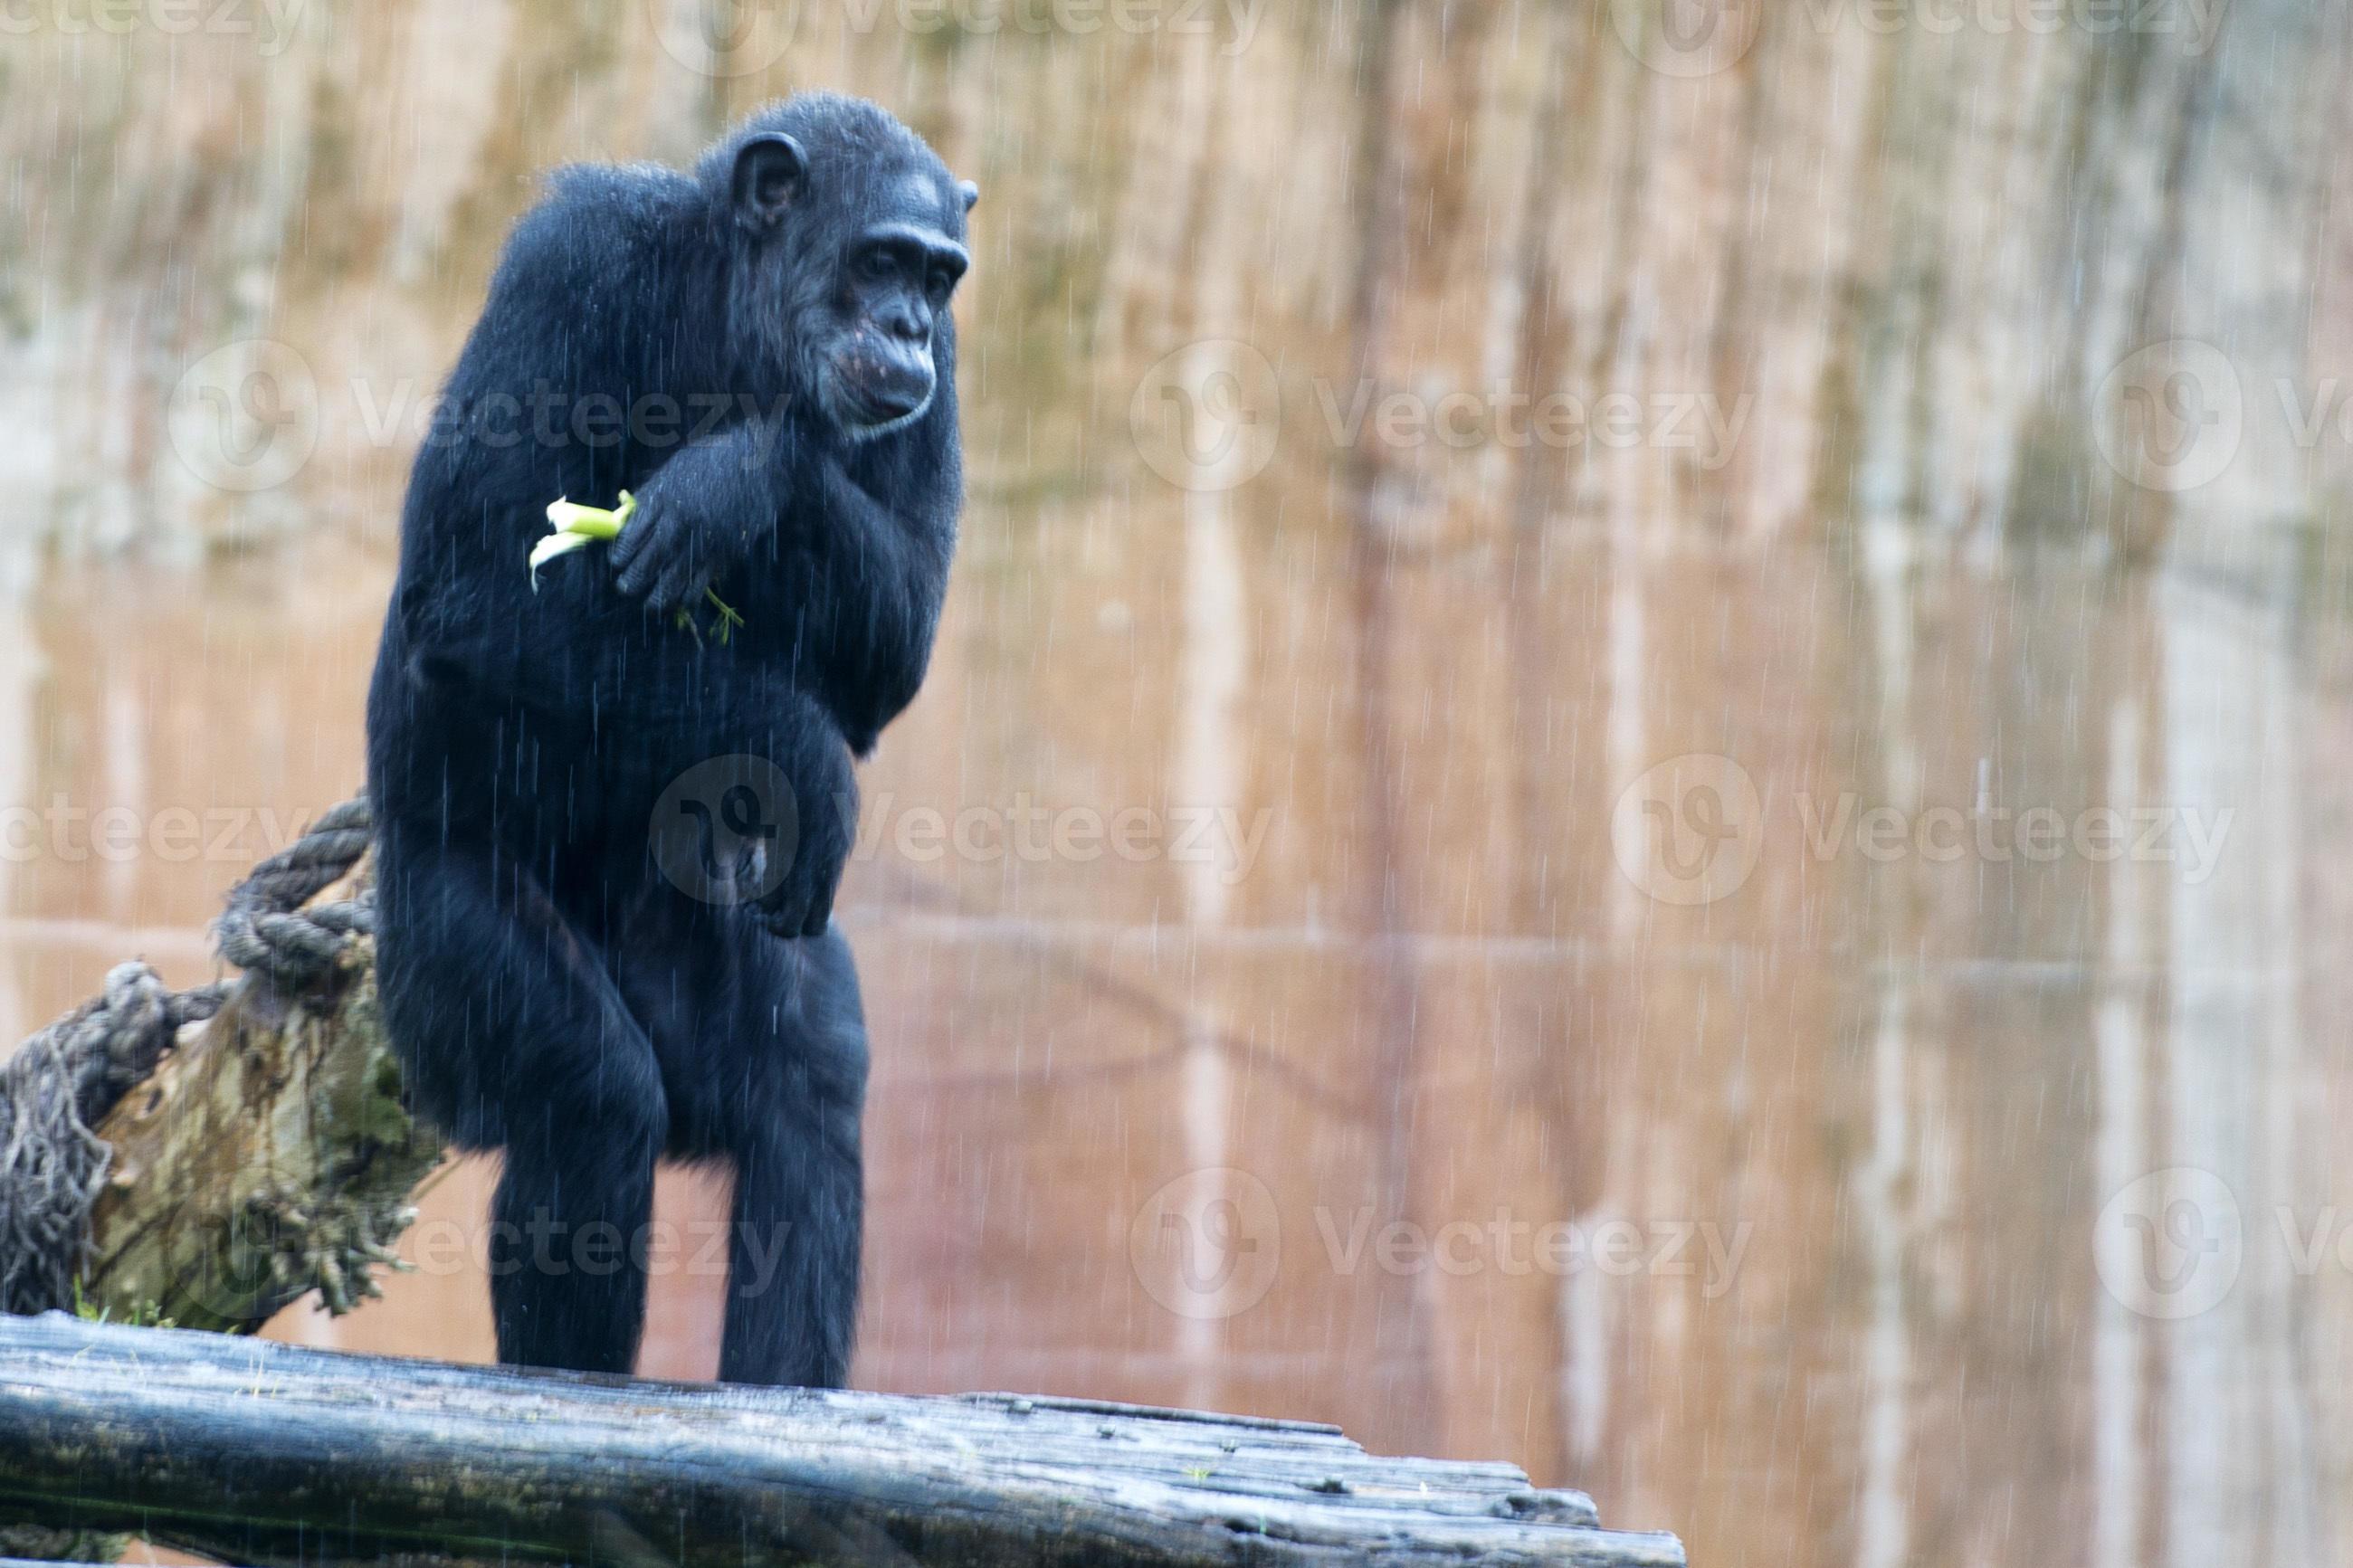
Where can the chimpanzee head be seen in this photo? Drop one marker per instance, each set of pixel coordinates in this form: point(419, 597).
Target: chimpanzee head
point(848, 240)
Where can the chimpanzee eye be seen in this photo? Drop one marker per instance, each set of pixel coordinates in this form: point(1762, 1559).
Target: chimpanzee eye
point(939, 283)
point(877, 265)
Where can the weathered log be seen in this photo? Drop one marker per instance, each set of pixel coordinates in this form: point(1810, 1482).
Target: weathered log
point(265, 1452)
point(204, 1158)
point(268, 1154)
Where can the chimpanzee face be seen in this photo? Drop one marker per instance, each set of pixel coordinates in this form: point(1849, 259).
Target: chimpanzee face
point(880, 262)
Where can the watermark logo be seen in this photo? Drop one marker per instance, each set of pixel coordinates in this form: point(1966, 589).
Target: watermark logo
point(726, 38)
point(1506, 1244)
point(76, 835)
point(1206, 1245)
point(245, 418)
point(2188, 836)
point(1688, 37)
point(1703, 425)
point(2171, 1245)
point(739, 38)
point(271, 24)
point(724, 831)
point(1205, 416)
point(1689, 830)
point(1025, 831)
point(2170, 416)
point(1702, 37)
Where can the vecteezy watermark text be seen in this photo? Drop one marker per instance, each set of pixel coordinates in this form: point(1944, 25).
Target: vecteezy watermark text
point(2182, 836)
point(2172, 1244)
point(549, 417)
point(271, 24)
point(1515, 1247)
point(1695, 38)
point(1032, 833)
point(1691, 829)
point(1699, 423)
point(1207, 417)
point(738, 37)
point(1209, 1245)
point(74, 835)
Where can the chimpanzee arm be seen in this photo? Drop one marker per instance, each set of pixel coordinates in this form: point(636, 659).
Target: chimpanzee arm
point(884, 574)
point(867, 574)
point(705, 509)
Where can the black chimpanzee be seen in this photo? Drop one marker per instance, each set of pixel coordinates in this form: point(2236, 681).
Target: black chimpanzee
point(762, 352)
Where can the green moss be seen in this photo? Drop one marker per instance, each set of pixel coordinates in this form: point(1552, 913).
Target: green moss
point(138, 1315)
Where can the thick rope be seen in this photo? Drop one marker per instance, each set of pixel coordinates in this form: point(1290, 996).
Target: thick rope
point(63, 1081)
point(267, 927)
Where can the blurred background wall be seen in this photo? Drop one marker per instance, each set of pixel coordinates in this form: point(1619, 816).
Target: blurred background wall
point(1580, 534)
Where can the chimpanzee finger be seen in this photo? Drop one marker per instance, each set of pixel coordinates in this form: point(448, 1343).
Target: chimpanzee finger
point(632, 541)
point(682, 578)
point(630, 554)
point(643, 549)
point(659, 532)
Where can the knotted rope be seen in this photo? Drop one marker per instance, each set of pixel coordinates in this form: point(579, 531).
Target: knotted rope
point(64, 1081)
point(270, 924)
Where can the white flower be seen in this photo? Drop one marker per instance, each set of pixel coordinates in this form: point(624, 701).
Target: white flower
point(574, 526)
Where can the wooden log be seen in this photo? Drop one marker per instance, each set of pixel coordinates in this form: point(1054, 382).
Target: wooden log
point(264, 1452)
point(268, 1155)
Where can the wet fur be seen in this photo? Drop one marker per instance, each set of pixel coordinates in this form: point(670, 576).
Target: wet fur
point(550, 994)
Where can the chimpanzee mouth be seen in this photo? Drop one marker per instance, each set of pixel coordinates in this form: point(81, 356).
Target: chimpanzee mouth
point(865, 412)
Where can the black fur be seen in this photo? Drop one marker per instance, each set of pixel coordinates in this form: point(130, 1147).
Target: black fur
point(550, 991)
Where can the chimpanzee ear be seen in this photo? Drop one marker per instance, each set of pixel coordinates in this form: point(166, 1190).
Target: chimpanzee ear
point(969, 192)
point(769, 169)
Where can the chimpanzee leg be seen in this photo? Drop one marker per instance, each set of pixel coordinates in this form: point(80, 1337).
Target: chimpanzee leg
point(763, 1054)
point(569, 1223)
point(515, 1036)
point(800, 1196)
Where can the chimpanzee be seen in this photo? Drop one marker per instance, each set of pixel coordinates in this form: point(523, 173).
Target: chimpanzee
point(610, 816)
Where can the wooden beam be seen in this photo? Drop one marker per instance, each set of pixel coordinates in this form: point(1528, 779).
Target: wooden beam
point(265, 1452)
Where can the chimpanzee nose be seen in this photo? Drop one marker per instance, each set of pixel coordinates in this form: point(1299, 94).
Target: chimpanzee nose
point(907, 324)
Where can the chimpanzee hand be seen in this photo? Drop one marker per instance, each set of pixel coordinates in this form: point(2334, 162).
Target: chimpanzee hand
point(801, 904)
point(801, 900)
point(697, 518)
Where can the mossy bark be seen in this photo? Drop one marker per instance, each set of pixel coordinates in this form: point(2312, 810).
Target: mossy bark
point(268, 1155)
